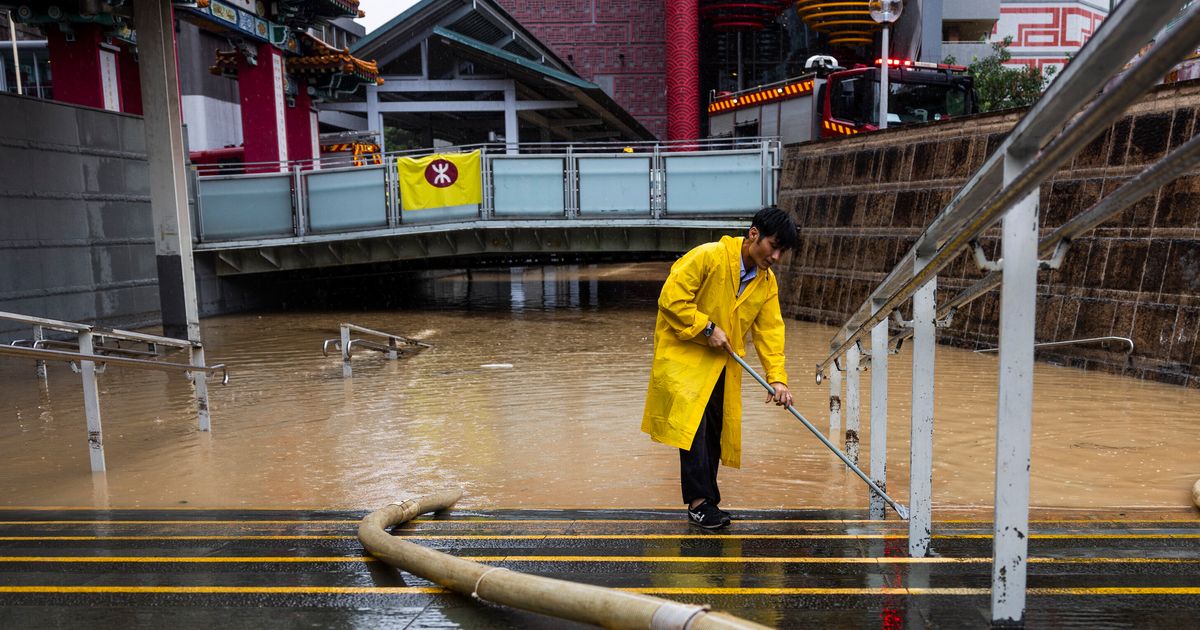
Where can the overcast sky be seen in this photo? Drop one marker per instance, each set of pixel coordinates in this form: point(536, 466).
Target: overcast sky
point(380, 11)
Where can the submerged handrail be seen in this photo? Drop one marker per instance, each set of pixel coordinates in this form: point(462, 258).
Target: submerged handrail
point(392, 350)
point(1072, 342)
point(984, 198)
point(43, 354)
point(584, 603)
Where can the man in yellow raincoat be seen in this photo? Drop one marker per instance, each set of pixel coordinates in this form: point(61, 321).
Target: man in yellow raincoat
point(714, 295)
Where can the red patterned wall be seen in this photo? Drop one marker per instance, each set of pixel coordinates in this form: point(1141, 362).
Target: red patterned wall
point(1043, 34)
point(621, 39)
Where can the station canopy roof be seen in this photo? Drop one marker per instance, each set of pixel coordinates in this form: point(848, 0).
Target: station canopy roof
point(470, 42)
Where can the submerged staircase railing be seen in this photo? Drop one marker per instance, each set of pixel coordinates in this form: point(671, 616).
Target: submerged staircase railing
point(92, 356)
point(1007, 187)
point(395, 346)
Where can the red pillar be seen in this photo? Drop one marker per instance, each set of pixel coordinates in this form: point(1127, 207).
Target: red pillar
point(131, 81)
point(682, 31)
point(302, 127)
point(78, 76)
point(264, 128)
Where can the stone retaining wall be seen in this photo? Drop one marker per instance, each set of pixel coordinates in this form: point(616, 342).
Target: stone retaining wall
point(862, 201)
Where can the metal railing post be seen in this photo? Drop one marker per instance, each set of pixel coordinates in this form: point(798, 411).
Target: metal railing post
point(835, 403)
point(299, 199)
point(39, 334)
point(200, 383)
point(346, 371)
point(91, 403)
point(879, 403)
point(853, 359)
point(921, 453)
point(1018, 306)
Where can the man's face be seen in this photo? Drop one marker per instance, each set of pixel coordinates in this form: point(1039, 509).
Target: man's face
point(763, 251)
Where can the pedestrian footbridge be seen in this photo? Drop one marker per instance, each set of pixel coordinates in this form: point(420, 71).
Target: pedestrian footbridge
point(538, 201)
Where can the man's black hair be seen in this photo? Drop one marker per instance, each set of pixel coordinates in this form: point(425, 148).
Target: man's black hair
point(772, 221)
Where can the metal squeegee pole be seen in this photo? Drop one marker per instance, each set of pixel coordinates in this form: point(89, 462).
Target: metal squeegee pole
point(901, 511)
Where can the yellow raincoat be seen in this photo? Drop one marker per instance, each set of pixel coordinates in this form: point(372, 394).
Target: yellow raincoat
point(703, 286)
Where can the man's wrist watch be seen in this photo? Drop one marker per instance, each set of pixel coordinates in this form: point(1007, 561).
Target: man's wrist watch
point(708, 330)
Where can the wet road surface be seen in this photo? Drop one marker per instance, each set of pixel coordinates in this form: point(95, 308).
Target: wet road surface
point(783, 568)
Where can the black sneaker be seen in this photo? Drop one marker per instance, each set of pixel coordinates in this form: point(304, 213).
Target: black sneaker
point(707, 515)
point(727, 515)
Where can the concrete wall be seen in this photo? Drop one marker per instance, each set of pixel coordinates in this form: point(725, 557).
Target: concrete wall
point(862, 201)
point(75, 227)
point(76, 233)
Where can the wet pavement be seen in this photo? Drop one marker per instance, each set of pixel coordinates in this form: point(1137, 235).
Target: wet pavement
point(783, 568)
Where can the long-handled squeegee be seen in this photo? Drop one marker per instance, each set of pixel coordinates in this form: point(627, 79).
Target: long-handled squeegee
point(901, 511)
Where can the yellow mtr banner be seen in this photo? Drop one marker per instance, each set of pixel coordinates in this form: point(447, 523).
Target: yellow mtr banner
point(439, 180)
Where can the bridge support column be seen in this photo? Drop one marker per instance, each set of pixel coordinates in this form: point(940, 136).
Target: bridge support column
point(1014, 413)
point(879, 402)
point(920, 522)
point(168, 189)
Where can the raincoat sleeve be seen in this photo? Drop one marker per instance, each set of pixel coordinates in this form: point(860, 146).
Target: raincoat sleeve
point(677, 302)
point(767, 331)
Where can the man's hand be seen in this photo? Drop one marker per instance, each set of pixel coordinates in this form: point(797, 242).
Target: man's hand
point(719, 340)
point(782, 397)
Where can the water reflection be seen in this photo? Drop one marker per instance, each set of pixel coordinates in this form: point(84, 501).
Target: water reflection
point(557, 428)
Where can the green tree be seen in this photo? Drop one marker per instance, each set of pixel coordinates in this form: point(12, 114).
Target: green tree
point(1001, 87)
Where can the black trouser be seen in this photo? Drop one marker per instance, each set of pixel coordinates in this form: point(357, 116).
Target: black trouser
point(698, 466)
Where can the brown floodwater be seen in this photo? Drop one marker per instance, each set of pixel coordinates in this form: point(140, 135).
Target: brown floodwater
point(532, 397)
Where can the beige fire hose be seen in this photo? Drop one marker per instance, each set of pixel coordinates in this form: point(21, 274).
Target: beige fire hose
point(584, 603)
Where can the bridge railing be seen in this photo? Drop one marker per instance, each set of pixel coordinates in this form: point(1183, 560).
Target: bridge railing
point(702, 178)
point(1091, 94)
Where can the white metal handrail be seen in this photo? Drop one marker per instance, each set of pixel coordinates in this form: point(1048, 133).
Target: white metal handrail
point(983, 199)
point(1007, 187)
point(90, 353)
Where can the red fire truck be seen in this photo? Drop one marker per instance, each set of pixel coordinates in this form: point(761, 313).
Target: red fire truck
point(834, 101)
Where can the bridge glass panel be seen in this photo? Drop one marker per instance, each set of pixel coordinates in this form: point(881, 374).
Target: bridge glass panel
point(445, 214)
point(724, 184)
point(245, 206)
point(525, 187)
point(614, 186)
point(346, 199)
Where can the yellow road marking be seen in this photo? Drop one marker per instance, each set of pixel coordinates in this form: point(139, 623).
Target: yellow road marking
point(190, 559)
point(653, 590)
point(578, 521)
point(284, 590)
point(187, 522)
point(631, 559)
point(613, 537)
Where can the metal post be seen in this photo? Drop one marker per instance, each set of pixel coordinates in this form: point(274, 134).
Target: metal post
point(200, 383)
point(166, 174)
point(853, 358)
point(921, 454)
point(346, 372)
point(883, 81)
point(835, 403)
point(879, 402)
point(91, 403)
point(1018, 305)
point(12, 37)
point(301, 200)
point(392, 352)
point(39, 334)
